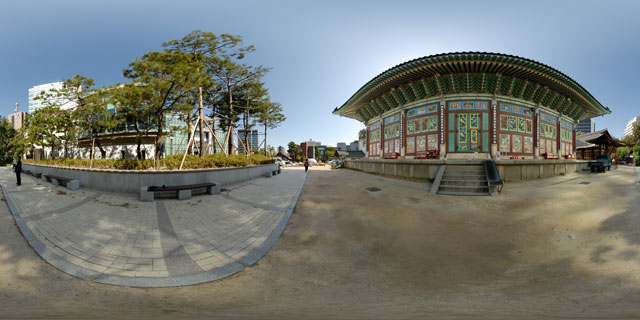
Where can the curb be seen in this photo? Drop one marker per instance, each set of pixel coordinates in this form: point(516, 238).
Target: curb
point(208, 276)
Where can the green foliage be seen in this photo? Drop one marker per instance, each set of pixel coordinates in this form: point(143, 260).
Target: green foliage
point(7, 135)
point(623, 152)
point(294, 150)
point(362, 134)
point(216, 160)
point(635, 151)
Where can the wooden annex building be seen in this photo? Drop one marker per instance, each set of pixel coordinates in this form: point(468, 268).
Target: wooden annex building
point(471, 105)
point(590, 145)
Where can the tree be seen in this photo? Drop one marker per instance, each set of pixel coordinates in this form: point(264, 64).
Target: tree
point(635, 134)
point(230, 75)
point(132, 112)
point(362, 134)
point(7, 134)
point(89, 114)
point(206, 47)
point(43, 127)
point(294, 150)
point(270, 115)
point(164, 79)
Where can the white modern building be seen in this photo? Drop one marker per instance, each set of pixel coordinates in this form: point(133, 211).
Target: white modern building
point(37, 104)
point(341, 146)
point(628, 130)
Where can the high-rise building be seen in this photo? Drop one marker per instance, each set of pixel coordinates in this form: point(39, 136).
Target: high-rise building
point(341, 146)
point(37, 104)
point(586, 126)
point(253, 140)
point(628, 130)
point(353, 146)
point(16, 119)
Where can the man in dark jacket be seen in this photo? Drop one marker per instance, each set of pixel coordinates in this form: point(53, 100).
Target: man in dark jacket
point(18, 170)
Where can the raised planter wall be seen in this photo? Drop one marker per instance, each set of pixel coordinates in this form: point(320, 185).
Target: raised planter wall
point(509, 170)
point(130, 181)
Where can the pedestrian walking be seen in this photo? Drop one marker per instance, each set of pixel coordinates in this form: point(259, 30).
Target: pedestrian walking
point(306, 165)
point(18, 170)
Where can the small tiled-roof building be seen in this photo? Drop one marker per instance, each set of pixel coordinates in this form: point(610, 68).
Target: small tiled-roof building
point(591, 145)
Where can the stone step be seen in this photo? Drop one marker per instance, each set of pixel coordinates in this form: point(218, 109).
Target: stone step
point(458, 188)
point(465, 172)
point(459, 167)
point(464, 182)
point(448, 176)
point(453, 193)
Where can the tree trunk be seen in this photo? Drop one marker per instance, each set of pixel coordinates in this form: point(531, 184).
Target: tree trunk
point(92, 137)
point(103, 153)
point(159, 140)
point(230, 116)
point(53, 148)
point(246, 129)
point(189, 148)
point(265, 137)
point(201, 125)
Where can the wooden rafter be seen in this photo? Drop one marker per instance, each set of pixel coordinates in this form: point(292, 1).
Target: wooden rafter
point(425, 87)
point(438, 85)
point(524, 86)
point(553, 101)
point(374, 104)
point(397, 96)
point(406, 93)
point(414, 90)
point(483, 82)
point(454, 88)
point(546, 98)
point(513, 82)
point(383, 103)
point(390, 102)
point(498, 83)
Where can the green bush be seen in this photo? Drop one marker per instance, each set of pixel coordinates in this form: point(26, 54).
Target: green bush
point(217, 160)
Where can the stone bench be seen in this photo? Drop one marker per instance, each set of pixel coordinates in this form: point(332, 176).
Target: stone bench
point(183, 192)
point(272, 173)
point(71, 184)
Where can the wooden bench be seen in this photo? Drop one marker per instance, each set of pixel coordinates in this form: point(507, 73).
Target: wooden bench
point(391, 155)
point(183, 192)
point(429, 154)
point(551, 156)
point(71, 184)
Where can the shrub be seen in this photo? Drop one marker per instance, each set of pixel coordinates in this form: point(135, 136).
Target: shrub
point(217, 160)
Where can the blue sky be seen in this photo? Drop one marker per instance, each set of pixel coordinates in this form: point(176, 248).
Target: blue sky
point(321, 52)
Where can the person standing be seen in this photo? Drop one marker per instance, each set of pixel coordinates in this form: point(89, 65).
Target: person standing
point(18, 170)
point(306, 165)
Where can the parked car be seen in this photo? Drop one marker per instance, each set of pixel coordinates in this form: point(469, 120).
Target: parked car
point(313, 162)
point(280, 162)
point(602, 163)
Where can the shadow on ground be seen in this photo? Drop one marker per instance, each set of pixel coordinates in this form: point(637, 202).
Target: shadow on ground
point(547, 248)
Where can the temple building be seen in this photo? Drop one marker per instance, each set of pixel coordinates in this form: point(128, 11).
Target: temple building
point(471, 105)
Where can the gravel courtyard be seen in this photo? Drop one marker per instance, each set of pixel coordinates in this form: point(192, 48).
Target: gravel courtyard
point(567, 246)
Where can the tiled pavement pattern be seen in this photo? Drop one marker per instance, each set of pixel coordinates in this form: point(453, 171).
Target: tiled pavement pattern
point(116, 239)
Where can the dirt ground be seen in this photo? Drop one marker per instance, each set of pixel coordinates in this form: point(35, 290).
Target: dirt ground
point(560, 247)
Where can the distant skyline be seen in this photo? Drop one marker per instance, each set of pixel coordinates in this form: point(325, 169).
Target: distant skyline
point(322, 52)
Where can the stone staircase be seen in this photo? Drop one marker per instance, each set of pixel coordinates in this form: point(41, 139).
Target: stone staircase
point(464, 180)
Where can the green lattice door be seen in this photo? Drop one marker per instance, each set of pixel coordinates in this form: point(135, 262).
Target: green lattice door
point(468, 132)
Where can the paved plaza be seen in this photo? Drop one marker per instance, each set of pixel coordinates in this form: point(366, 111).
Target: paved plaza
point(117, 239)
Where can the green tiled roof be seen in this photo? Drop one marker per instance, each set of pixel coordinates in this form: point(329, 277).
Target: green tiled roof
point(471, 72)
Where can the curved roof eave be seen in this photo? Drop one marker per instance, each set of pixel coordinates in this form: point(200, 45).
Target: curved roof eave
point(461, 62)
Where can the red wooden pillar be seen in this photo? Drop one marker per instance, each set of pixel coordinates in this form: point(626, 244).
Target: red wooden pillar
point(558, 149)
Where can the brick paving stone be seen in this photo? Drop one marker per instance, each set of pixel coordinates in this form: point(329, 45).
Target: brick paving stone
point(121, 236)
